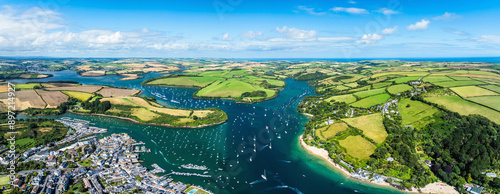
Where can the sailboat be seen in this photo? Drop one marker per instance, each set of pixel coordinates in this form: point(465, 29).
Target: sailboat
point(264, 175)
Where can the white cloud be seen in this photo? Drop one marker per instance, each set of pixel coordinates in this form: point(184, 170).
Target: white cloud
point(387, 11)
point(369, 38)
point(251, 34)
point(309, 10)
point(294, 33)
point(40, 30)
point(422, 25)
point(389, 30)
point(226, 37)
point(351, 10)
point(47, 35)
point(447, 16)
point(490, 39)
point(351, 2)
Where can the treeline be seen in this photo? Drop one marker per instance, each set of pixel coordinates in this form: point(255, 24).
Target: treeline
point(96, 106)
point(31, 165)
point(401, 145)
point(258, 93)
point(464, 147)
point(311, 76)
point(63, 107)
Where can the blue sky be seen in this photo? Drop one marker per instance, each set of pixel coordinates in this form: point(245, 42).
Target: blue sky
point(250, 29)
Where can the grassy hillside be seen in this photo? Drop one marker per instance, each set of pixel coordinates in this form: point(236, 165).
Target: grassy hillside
point(240, 85)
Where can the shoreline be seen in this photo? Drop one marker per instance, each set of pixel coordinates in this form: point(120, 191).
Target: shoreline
point(323, 154)
point(436, 187)
point(153, 124)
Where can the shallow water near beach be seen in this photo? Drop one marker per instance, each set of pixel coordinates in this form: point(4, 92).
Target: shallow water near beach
point(258, 140)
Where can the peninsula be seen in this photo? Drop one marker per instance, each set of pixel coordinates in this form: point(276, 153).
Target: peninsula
point(60, 97)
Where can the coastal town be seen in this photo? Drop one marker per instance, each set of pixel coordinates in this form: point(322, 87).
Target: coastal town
point(81, 163)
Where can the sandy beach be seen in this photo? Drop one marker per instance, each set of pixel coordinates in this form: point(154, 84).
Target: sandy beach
point(324, 154)
point(437, 187)
point(131, 76)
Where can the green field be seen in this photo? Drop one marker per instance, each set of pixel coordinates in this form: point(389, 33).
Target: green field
point(360, 89)
point(460, 78)
point(394, 89)
point(342, 87)
point(489, 101)
point(352, 85)
point(435, 79)
point(367, 93)
point(23, 144)
point(402, 73)
point(471, 91)
point(405, 79)
point(416, 113)
point(358, 147)
point(78, 95)
point(458, 83)
point(494, 88)
point(235, 84)
point(185, 81)
point(4, 180)
point(231, 89)
point(330, 131)
point(353, 79)
point(463, 107)
point(381, 85)
point(371, 125)
point(371, 101)
point(489, 81)
point(348, 98)
point(26, 86)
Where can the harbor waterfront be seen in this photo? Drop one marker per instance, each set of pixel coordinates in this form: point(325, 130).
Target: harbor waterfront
point(256, 151)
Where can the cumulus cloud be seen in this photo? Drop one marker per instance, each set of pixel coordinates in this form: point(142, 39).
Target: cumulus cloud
point(310, 10)
point(447, 16)
point(251, 34)
point(294, 33)
point(351, 10)
point(387, 11)
point(422, 25)
point(369, 38)
point(389, 30)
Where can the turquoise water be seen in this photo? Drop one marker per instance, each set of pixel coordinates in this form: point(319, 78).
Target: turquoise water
point(236, 153)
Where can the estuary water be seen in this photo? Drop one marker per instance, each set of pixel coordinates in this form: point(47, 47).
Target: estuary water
point(256, 151)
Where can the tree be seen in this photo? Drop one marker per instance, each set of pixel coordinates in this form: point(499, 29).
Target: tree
point(495, 183)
